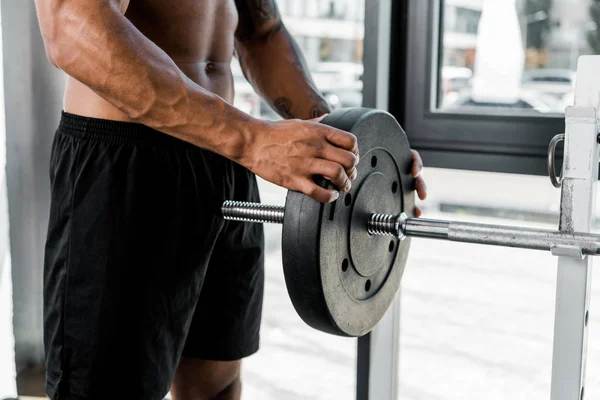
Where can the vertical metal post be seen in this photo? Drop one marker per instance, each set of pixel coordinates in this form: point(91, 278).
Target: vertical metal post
point(377, 360)
point(580, 174)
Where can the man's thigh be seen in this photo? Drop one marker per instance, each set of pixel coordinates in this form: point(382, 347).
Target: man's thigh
point(227, 319)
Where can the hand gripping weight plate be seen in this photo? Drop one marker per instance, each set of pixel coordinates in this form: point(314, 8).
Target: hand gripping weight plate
point(341, 280)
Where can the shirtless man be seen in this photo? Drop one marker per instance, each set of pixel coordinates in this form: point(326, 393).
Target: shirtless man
point(146, 288)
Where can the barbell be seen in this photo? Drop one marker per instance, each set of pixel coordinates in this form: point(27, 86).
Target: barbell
point(343, 261)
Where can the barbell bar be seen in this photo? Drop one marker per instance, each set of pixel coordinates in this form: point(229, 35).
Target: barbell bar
point(401, 226)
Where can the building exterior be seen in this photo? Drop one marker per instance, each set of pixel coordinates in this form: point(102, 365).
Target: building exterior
point(330, 31)
point(566, 39)
point(460, 21)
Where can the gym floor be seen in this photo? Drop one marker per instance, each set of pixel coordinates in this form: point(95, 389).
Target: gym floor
point(477, 322)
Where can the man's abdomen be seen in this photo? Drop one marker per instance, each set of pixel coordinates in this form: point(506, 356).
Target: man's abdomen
point(81, 100)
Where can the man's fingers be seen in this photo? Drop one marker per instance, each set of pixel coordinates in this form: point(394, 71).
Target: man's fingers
point(346, 159)
point(421, 187)
point(322, 195)
point(333, 172)
point(342, 139)
point(417, 164)
point(318, 119)
point(353, 174)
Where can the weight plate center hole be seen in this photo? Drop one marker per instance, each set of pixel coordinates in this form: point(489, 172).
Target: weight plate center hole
point(373, 161)
point(392, 246)
point(394, 187)
point(368, 285)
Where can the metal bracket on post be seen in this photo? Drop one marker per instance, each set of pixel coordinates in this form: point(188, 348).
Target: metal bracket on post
point(580, 174)
point(567, 251)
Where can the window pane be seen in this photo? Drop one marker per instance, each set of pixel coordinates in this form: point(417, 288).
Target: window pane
point(513, 56)
point(330, 34)
point(296, 361)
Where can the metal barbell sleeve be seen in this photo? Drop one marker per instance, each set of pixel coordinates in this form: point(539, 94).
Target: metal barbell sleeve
point(494, 235)
point(252, 212)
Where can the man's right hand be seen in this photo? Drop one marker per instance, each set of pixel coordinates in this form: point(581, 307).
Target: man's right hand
point(290, 152)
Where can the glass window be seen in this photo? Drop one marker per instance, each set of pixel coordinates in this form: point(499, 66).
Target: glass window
point(296, 361)
point(519, 56)
point(483, 84)
point(331, 40)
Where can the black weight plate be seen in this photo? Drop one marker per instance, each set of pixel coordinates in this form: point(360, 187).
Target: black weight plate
point(340, 279)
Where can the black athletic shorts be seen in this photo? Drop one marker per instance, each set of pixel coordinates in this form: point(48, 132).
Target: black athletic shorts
point(140, 268)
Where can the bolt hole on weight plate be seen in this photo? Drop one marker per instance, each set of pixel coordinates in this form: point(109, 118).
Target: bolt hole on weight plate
point(345, 265)
point(341, 280)
point(347, 199)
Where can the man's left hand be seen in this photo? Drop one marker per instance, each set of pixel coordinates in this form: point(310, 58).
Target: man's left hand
point(420, 185)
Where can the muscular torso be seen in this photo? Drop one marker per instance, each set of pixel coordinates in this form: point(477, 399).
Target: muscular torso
point(197, 34)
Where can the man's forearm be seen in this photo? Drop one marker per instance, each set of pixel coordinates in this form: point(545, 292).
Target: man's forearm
point(95, 44)
point(275, 66)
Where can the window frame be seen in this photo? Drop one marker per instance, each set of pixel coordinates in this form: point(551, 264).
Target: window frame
point(458, 140)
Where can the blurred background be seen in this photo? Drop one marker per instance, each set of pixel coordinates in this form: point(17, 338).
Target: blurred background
point(476, 322)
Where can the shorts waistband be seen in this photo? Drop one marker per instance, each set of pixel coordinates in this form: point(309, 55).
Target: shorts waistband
point(114, 131)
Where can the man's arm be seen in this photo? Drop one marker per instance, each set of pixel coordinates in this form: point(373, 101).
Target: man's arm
point(273, 62)
point(274, 65)
point(94, 43)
